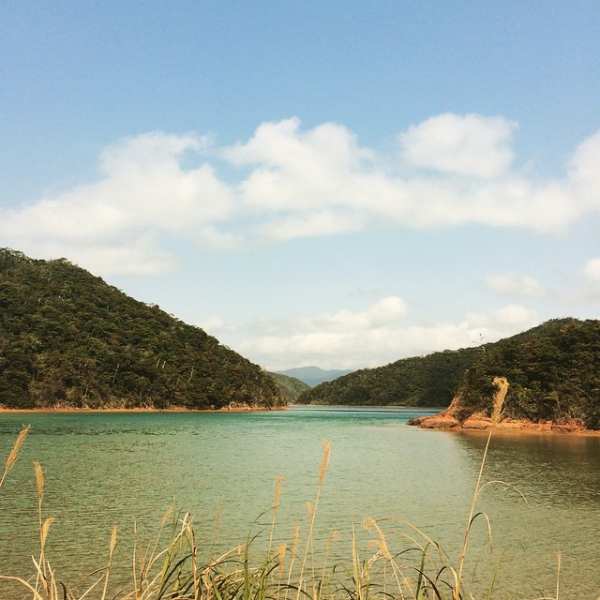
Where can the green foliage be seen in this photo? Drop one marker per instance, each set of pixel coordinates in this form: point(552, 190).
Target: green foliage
point(68, 339)
point(290, 387)
point(553, 371)
point(421, 381)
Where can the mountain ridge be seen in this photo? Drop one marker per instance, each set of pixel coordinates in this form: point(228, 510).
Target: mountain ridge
point(313, 375)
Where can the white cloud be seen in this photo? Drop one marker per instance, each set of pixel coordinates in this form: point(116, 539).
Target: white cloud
point(515, 316)
point(212, 323)
point(592, 269)
point(518, 286)
point(469, 145)
point(375, 337)
point(114, 225)
point(589, 290)
point(286, 183)
point(385, 312)
point(584, 174)
point(511, 316)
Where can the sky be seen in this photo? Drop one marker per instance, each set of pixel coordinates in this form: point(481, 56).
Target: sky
point(340, 184)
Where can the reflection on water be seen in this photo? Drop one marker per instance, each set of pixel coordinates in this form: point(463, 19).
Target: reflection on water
point(106, 469)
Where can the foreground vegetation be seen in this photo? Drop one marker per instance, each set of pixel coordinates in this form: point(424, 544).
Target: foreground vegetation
point(67, 339)
point(179, 566)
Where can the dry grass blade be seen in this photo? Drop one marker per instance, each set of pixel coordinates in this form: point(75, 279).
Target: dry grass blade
point(111, 551)
point(400, 579)
point(35, 595)
point(559, 561)
point(463, 554)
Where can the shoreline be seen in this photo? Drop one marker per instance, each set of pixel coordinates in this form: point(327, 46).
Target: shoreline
point(446, 423)
point(478, 424)
point(74, 410)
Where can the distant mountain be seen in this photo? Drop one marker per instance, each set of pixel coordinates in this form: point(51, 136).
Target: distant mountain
point(290, 387)
point(313, 375)
point(67, 339)
point(423, 381)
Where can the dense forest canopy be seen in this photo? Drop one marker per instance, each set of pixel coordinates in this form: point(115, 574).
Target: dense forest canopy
point(68, 339)
point(553, 373)
point(291, 387)
point(421, 381)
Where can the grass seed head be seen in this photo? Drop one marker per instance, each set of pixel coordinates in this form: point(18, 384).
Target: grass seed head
point(39, 478)
point(278, 487)
point(14, 452)
point(325, 461)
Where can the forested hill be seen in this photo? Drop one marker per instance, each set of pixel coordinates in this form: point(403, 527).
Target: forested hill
point(290, 387)
point(553, 372)
point(68, 339)
point(422, 381)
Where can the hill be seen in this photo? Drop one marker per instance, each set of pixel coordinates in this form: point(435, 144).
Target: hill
point(553, 376)
point(290, 387)
point(421, 381)
point(313, 376)
point(67, 339)
point(552, 372)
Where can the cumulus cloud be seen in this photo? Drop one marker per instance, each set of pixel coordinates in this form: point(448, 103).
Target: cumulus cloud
point(584, 174)
point(383, 313)
point(286, 183)
point(592, 269)
point(589, 289)
point(470, 145)
point(115, 224)
point(374, 337)
point(518, 286)
point(511, 316)
point(322, 182)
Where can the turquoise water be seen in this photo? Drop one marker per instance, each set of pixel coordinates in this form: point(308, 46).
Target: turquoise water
point(103, 469)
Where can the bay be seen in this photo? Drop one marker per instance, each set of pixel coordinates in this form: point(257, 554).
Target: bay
point(106, 469)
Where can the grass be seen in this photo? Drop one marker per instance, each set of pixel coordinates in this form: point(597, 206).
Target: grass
point(175, 565)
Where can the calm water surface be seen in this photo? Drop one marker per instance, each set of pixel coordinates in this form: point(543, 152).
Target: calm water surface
point(104, 469)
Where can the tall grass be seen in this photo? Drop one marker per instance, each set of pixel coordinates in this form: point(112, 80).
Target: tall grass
point(176, 565)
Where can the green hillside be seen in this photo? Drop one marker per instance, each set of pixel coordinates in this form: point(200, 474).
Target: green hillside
point(424, 381)
point(553, 373)
point(68, 339)
point(290, 387)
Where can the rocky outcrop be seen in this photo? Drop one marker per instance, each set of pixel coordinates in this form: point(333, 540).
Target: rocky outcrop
point(480, 423)
point(453, 418)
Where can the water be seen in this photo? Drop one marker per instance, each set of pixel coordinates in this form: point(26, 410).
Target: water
point(103, 469)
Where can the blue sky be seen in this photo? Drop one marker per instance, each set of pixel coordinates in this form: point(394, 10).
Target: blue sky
point(338, 183)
